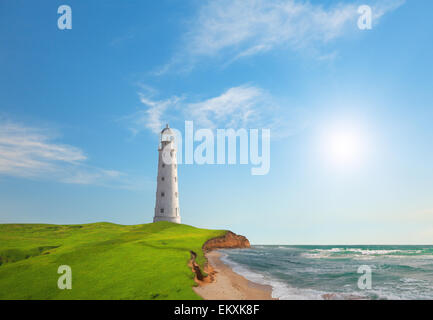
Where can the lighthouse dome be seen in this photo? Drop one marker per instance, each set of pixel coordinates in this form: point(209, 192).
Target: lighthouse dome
point(167, 130)
point(167, 135)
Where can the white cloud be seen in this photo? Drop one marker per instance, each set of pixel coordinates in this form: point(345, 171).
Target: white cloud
point(237, 107)
point(26, 151)
point(238, 28)
point(156, 114)
point(29, 152)
point(244, 106)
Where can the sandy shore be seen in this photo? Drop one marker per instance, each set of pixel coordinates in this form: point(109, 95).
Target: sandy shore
point(224, 284)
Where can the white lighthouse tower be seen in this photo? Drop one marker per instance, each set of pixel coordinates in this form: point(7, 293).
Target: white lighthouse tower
point(167, 194)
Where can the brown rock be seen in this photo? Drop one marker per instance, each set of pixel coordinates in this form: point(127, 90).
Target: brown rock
point(229, 240)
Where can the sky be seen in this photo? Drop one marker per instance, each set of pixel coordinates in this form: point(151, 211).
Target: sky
point(349, 112)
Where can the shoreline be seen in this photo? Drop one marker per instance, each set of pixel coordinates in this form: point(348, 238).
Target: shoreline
point(222, 283)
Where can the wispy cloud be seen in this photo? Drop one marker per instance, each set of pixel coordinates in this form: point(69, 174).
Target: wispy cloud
point(236, 107)
point(244, 106)
point(236, 29)
point(156, 112)
point(30, 152)
point(26, 151)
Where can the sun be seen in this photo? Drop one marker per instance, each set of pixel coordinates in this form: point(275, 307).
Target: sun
point(344, 147)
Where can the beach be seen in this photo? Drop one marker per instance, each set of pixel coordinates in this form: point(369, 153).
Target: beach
point(223, 283)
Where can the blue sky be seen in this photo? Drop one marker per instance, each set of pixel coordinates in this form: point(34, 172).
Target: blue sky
point(80, 108)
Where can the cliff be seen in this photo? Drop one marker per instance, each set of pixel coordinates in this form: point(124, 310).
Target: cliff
point(228, 241)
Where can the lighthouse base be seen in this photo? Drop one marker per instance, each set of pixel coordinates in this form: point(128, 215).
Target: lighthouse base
point(169, 219)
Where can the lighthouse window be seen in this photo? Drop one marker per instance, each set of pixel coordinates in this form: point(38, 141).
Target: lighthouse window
point(175, 179)
point(162, 178)
point(161, 210)
point(163, 165)
point(175, 195)
point(162, 194)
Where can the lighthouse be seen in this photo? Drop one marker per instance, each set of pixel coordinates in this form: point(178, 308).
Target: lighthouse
point(167, 193)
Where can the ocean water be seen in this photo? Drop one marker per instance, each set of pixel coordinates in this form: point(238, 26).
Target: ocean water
point(330, 272)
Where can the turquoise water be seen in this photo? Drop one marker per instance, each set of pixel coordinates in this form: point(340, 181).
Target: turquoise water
point(330, 272)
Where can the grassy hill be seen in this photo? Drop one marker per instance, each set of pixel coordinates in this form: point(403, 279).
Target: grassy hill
point(108, 261)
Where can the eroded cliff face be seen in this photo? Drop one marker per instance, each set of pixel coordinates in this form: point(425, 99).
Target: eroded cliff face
point(229, 241)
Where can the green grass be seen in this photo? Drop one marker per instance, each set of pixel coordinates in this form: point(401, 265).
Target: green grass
point(108, 261)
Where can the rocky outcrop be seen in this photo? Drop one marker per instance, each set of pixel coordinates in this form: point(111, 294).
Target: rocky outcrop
point(195, 267)
point(228, 241)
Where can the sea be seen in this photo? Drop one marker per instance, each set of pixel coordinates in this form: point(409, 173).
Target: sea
point(338, 272)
